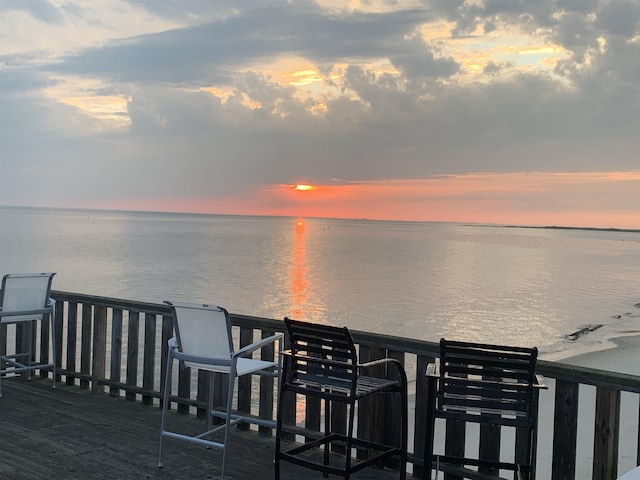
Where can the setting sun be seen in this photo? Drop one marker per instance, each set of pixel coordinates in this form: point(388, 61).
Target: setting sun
point(303, 187)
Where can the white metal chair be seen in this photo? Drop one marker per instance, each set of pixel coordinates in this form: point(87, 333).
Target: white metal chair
point(24, 299)
point(203, 340)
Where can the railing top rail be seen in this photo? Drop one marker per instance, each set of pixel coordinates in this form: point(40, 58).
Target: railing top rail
point(132, 305)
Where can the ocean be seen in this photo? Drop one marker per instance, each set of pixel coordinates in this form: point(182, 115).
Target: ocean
point(486, 283)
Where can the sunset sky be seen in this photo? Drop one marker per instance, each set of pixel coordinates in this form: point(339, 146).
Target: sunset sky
point(490, 111)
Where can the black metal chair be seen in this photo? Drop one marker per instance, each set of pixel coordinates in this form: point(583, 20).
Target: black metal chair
point(494, 386)
point(322, 364)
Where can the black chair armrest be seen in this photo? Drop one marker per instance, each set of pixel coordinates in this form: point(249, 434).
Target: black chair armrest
point(382, 361)
point(432, 370)
point(540, 382)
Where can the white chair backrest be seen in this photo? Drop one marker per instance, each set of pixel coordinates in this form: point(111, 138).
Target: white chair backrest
point(22, 292)
point(203, 330)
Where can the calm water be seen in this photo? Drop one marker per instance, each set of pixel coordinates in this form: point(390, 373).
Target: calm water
point(421, 280)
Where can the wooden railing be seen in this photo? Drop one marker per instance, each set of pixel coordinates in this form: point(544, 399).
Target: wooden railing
point(119, 346)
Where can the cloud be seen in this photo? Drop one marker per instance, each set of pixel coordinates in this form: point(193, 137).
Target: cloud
point(109, 101)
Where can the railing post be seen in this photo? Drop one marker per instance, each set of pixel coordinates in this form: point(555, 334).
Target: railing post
point(607, 429)
point(393, 420)
point(370, 411)
point(420, 422)
point(489, 442)
point(99, 344)
point(565, 431)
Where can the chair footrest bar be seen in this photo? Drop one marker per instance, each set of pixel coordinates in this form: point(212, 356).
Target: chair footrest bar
point(243, 418)
point(384, 451)
point(208, 433)
point(469, 473)
point(447, 461)
point(18, 367)
point(196, 440)
point(342, 440)
point(356, 465)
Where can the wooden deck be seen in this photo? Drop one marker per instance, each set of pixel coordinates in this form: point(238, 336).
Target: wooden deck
point(588, 426)
point(69, 433)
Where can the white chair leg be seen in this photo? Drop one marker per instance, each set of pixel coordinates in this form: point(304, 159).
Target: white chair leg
point(53, 342)
point(210, 402)
point(232, 379)
point(165, 405)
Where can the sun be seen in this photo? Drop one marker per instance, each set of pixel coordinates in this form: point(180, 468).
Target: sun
point(303, 187)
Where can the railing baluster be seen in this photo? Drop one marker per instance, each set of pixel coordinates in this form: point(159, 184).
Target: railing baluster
point(149, 361)
point(607, 429)
point(45, 338)
point(132, 353)
point(57, 340)
point(99, 347)
point(393, 418)
point(167, 333)
point(184, 388)
point(85, 345)
point(266, 400)
point(565, 431)
point(244, 382)
point(116, 350)
point(371, 410)
point(72, 338)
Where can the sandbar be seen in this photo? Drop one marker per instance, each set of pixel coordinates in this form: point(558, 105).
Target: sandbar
point(624, 357)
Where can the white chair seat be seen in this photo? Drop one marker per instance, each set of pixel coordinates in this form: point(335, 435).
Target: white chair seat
point(244, 366)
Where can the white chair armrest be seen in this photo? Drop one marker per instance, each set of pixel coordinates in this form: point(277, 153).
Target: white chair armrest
point(252, 347)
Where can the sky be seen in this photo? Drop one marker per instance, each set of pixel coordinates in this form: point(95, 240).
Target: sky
point(520, 112)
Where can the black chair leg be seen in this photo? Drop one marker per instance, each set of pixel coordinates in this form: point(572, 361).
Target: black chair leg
point(405, 431)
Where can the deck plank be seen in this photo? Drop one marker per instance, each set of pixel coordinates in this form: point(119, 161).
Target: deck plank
point(69, 433)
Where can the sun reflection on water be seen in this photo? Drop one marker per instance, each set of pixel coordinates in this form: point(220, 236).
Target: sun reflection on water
point(298, 283)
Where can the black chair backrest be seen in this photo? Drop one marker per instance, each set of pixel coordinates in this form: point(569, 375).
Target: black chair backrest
point(487, 383)
point(323, 361)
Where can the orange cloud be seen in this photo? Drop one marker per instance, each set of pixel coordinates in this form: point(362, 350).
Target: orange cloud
point(592, 199)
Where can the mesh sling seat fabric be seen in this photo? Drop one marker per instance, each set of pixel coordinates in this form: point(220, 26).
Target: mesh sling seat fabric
point(491, 385)
point(322, 363)
point(203, 340)
point(24, 300)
